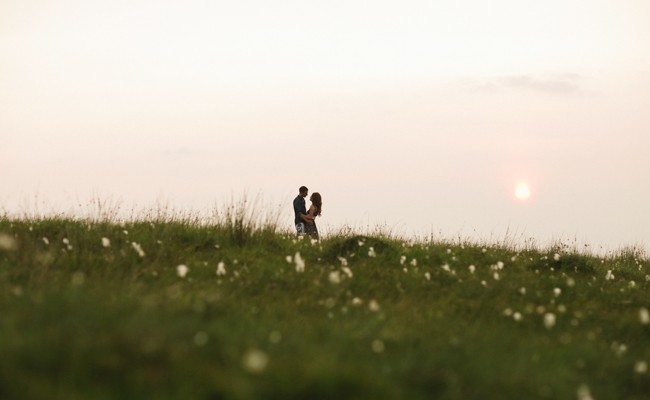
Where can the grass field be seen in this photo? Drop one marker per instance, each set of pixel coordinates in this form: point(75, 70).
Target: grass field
point(235, 310)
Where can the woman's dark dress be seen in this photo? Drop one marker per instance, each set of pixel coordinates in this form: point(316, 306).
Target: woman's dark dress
point(311, 229)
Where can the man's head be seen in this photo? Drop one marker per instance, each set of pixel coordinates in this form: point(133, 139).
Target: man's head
point(303, 191)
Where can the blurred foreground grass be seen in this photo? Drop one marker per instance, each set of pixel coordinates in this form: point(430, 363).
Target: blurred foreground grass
point(177, 309)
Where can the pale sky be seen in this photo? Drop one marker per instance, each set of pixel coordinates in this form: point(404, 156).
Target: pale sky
point(423, 115)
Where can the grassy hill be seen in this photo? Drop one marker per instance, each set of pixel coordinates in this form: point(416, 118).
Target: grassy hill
point(236, 310)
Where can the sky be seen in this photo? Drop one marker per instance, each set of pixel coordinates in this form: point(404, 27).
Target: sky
point(419, 116)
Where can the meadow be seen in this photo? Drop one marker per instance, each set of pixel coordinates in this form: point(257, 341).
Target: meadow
point(176, 308)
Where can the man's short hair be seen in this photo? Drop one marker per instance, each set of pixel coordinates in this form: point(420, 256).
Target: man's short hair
point(303, 189)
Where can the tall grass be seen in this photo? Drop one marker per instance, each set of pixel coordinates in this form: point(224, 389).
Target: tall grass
point(244, 222)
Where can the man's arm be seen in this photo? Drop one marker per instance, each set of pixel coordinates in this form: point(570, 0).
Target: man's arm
point(309, 216)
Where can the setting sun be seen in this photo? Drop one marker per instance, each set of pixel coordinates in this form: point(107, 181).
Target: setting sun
point(522, 191)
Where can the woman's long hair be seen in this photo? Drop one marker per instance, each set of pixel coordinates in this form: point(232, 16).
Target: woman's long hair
point(317, 201)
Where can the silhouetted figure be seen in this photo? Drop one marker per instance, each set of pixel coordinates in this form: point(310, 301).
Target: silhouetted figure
point(300, 210)
point(314, 211)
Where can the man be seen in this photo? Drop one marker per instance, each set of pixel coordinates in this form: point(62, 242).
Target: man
point(300, 210)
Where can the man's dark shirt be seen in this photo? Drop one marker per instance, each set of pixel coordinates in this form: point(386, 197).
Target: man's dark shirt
point(299, 208)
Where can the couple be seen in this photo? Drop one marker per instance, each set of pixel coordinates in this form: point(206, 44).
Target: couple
point(305, 220)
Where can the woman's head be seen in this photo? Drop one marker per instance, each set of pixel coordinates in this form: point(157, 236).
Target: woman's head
point(317, 201)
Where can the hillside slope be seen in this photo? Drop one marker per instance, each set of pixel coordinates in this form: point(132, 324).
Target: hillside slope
point(101, 310)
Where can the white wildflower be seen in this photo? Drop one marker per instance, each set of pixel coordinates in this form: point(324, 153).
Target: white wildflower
point(106, 242)
point(361, 243)
point(619, 348)
point(549, 320)
point(7, 242)
point(343, 261)
point(483, 283)
point(347, 271)
point(377, 346)
point(641, 367)
point(427, 276)
point(374, 306)
point(631, 284)
point(496, 276)
point(471, 269)
point(182, 270)
point(313, 242)
point(335, 277)
point(497, 267)
point(300, 263)
point(221, 268)
point(584, 393)
point(570, 282)
point(46, 241)
point(556, 257)
point(255, 361)
point(125, 232)
point(522, 290)
point(644, 316)
point(138, 249)
point(446, 268)
point(357, 301)
point(67, 244)
point(507, 312)
point(516, 316)
point(371, 252)
point(557, 292)
point(289, 259)
point(414, 262)
point(609, 276)
point(402, 260)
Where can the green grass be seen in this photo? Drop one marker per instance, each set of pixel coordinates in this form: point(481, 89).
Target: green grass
point(84, 321)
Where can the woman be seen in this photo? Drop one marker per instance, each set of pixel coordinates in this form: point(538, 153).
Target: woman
point(314, 211)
